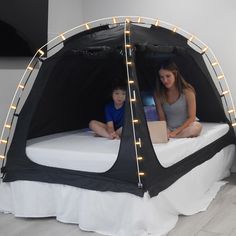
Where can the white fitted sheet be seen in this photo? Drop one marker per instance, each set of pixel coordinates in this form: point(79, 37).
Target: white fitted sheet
point(80, 150)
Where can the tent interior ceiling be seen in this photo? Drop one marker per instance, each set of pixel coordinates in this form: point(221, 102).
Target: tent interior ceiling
point(95, 61)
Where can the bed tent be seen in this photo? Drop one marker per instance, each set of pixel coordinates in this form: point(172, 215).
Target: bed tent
point(73, 86)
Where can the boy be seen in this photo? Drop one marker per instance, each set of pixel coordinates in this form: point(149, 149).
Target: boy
point(114, 114)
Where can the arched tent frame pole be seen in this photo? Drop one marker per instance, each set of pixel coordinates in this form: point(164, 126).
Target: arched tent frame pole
point(219, 77)
point(58, 40)
point(132, 98)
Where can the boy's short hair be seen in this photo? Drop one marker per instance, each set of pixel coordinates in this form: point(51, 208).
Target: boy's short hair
point(119, 86)
point(118, 82)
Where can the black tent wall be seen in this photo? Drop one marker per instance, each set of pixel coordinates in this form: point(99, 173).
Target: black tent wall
point(72, 88)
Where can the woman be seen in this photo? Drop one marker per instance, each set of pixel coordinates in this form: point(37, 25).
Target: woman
point(176, 103)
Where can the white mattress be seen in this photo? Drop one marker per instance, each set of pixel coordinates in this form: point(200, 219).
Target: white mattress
point(80, 150)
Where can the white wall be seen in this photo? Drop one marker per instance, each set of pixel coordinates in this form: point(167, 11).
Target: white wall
point(212, 21)
point(63, 15)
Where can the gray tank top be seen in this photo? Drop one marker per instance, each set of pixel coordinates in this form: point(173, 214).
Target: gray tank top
point(176, 113)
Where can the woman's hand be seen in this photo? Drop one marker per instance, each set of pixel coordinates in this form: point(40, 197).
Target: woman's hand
point(172, 134)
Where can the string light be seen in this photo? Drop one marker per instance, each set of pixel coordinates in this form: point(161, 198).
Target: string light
point(141, 173)
point(13, 107)
point(191, 38)
point(134, 97)
point(230, 111)
point(204, 49)
point(220, 76)
point(225, 92)
point(7, 126)
point(214, 63)
point(4, 141)
point(41, 52)
point(140, 158)
point(21, 86)
point(138, 143)
point(157, 23)
point(63, 37)
point(30, 68)
point(2, 157)
point(175, 29)
point(114, 20)
point(87, 26)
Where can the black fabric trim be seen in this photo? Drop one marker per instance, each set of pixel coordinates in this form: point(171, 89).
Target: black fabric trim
point(68, 177)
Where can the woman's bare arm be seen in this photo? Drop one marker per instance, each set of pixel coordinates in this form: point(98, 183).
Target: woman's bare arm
point(159, 108)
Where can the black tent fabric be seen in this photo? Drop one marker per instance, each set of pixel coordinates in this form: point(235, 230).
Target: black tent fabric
point(72, 88)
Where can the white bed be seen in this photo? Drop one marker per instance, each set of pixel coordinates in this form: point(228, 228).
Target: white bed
point(112, 213)
point(80, 150)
